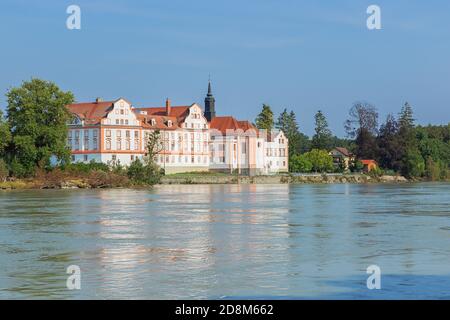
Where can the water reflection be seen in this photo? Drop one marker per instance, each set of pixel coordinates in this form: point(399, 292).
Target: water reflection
point(219, 241)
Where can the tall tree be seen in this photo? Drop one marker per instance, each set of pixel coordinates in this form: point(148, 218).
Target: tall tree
point(412, 162)
point(363, 124)
point(362, 115)
point(264, 120)
point(388, 144)
point(322, 139)
point(37, 116)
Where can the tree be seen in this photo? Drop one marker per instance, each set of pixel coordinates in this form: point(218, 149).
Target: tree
point(366, 145)
point(37, 116)
point(5, 135)
point(363, 115)
point(265, 119)
point(388, 144)
point(300, 163)
point(363, 124)
point(320, 159)
point(298, 142)
point(323, 137)
point(4, 172)
point(412, 162)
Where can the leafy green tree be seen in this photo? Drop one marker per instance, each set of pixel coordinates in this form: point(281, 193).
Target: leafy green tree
point(414, 164)
point(37, 116)
point(300, 163)
point(322, 138)
point(5, 135)
point(265, 119)
point(320, 159)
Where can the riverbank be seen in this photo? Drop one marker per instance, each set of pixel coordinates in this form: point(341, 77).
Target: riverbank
point(195, 178)
point(279, 179)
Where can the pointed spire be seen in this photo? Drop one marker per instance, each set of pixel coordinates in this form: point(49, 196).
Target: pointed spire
point(210, 111)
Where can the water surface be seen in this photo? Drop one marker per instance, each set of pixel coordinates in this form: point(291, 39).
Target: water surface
point(227, 241)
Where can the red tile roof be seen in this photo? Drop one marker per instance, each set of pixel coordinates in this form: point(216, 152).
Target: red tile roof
point(230, 123)
point(91, 112)
point(344, 151)
point(367, 162)
point(176, 111)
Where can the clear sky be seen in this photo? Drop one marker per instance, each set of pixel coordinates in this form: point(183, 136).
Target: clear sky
point(300, 55)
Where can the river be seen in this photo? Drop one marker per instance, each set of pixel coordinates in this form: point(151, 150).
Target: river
point(227, 242)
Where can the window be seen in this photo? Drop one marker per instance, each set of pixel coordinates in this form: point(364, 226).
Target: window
point(136, 134)
point(108, 133)
point(127, 133)
point(73, 158)
point(119, 133)
point(132, 157)
point(126, 122)
point(85, 158)
point(122, 112)
point(127, 144)
point(108, 144)
point(94, 143)
point(153, 122)
point(119, 144)
point(169, 123)
point(117, 121)
point(136, 144)
point(121, 121)
point(192, 159)
point(114, 157)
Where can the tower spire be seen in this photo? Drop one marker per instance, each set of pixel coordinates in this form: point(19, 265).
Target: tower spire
point(210, 101)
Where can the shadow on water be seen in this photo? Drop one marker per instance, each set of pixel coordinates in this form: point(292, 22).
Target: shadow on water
point(393, 287)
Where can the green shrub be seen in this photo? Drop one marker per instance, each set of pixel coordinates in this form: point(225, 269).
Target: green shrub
point(144, 173)
point(4, 171)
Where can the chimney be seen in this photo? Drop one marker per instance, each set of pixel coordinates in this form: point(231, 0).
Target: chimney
point(98, 100)
point(168, 107)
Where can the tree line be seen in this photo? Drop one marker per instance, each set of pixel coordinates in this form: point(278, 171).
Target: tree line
point(398, 145)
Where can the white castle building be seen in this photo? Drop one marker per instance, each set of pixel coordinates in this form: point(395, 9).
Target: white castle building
point(192, 140)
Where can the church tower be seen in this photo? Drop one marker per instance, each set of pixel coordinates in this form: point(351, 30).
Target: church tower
point(210, 110)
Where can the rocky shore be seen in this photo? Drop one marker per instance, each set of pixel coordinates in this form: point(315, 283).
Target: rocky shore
point(275, 179)
point(213, 179)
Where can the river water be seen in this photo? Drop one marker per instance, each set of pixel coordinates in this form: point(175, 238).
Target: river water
point(227, 242)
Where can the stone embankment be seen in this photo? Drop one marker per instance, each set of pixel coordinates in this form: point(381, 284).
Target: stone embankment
point(276, 179)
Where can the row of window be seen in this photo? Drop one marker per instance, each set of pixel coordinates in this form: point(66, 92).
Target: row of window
point(273, 152)
point(119, 144)
point(182, 159)
point(75, 144)
point(119, 134)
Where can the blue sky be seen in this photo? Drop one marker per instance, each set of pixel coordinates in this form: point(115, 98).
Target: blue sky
point(300, 55)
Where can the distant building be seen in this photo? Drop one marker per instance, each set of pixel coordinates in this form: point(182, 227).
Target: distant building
point(115, 132)
point(369, 165)
point(342, 157)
